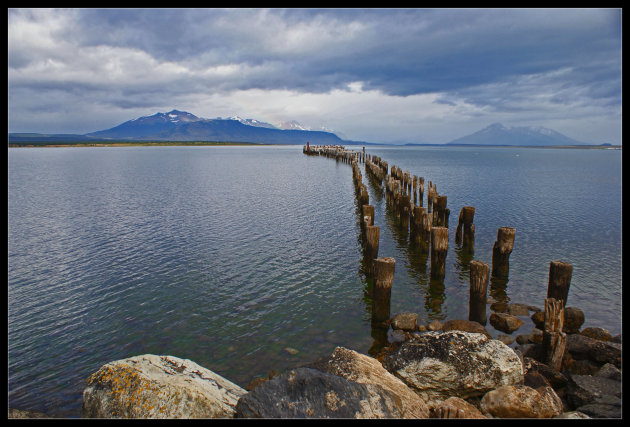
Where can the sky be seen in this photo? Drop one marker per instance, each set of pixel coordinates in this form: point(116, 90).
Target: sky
point(374, 75)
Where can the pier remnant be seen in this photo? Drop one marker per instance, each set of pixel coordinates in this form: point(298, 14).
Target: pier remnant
point(559, 280)
point(465, 234)
point(439, 247)
point(381, 296)
point(501, 252)
point(371, 238)
point(479, 276)
point(554, 341)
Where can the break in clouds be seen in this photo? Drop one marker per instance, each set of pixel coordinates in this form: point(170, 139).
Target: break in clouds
point(380, 75)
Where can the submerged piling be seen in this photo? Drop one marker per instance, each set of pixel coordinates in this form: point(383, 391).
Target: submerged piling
point(501, 252)
point(559, 280)
point(479, 276)
point(381, 296)
point(439, 247)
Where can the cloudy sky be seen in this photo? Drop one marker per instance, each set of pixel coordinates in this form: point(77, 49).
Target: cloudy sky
point(377, 75)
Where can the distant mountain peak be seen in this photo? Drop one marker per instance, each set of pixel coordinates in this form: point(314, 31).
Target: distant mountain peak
point(498, 134)
point(293, 125)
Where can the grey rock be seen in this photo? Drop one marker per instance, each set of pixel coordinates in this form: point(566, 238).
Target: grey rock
point(604, 407)
point(311, 393)
point(405, 321)
point(364, 369)
point(505, 322)
point(516, 309)
point(438, 365)
point(609, 371)
point(585, 389)
point(583, 347)
point(556, 378)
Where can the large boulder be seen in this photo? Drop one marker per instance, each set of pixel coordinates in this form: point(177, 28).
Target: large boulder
point(520, 401)
point(364, 369)
point(311, 393)
point(150, 386)
point(438, 365)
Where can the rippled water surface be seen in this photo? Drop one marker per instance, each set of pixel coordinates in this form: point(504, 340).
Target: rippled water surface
point(230, 256)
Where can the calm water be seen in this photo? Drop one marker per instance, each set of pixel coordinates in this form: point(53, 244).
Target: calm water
point(229, 255)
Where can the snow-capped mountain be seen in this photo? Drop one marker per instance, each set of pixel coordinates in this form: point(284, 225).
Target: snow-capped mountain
point(293, 124)
point(253, 122)
point(498, 134)
point(183, 126)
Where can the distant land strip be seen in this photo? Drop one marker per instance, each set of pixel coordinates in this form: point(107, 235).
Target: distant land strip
point(125, 143)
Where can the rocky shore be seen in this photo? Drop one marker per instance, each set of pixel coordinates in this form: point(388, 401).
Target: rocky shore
point(451, 369)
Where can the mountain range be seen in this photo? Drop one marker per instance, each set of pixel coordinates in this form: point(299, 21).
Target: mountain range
point(180, 126)
point(497, 134)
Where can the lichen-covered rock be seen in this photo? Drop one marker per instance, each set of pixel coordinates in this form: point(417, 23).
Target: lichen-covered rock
point(455, 407)
point(465, 326)
point(151, 386)
point(311, 393)
point(20, 413)
point(520, 401)
point(363, 369)
point(505, 322)
point(404, 321)
point(438, 365)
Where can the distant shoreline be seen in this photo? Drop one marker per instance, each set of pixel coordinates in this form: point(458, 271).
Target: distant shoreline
point(221, 143)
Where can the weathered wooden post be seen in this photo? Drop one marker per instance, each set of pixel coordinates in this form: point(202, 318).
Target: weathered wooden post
point(479, 275)
point(439, 247)
point(404, 211)
point(466, 228)
point(554, 341)
point(559, 280)
point(368, 210)
point(371, 240)
point(383, 279)
point(501, 252)
point(415, 190)
point(420, 190)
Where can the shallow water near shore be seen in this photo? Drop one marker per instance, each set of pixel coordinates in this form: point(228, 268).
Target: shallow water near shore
point(234, 257)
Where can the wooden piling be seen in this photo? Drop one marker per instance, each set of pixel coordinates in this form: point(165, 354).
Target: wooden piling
point(439, 248)
point(368, 210)
point(466, 228)
point(371, 241)
point(479, 276)
point(554, 342)
point(501, 252)
point(559, 280)
point(383, 279)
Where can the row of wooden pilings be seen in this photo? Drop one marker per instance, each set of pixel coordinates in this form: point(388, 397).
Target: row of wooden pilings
point(428, 227)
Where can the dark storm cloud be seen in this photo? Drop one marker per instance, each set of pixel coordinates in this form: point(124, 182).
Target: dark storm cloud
point(400, 52)
point(496, 60)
